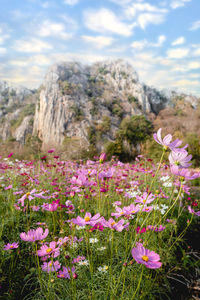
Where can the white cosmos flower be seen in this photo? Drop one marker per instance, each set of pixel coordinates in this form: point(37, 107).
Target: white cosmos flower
point(103, 269)
point(93, 240)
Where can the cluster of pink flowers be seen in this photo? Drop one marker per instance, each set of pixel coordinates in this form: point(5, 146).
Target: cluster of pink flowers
point(178, 158)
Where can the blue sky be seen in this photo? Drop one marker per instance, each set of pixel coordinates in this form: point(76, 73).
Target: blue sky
point(159, 38)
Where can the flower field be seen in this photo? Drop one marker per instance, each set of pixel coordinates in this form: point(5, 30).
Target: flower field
point(96, 229)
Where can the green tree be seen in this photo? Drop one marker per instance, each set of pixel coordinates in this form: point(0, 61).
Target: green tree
point(135, 129)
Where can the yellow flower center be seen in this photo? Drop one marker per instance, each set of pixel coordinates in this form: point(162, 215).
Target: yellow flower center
point(133, 211)
point(61, 275)
point(145, 258)
point(113, 223)
point(121, 213)
point(87, 219)
point(50, 265)
point(11, 246)
point(48, 250)
point(28, 194)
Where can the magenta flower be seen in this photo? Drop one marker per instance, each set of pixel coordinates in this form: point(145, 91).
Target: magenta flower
point(11, 154)
point(145, 198)
point(126, 211)
point(197, 213)
point(11, 246)
point(77, 259)
point(184, 174)
point(48, 250)
point(51, 150)
point(34, 235)
point(102, 157)
point(118, 226)
point(87, 220)
point(180, 159)
point(50, 206)
point(51, 266)
point(166, 141)
point(119, 212)
point(65, 272)
point(30, 196)
point(146, 257)
point(61, 241)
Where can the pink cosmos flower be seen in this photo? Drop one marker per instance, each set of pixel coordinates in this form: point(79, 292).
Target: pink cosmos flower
point(180, 159)
point(146, 257)
point(11, 246)
point(126, 211)
point(77, 259)
point(118, 226)
point(50, 206)
point(8, 187)
point(106, 174)
point(61, 241)
point(48, 250)
point(34, 235)
point(184, 173)
point(87, 220)
point(66, 272)
point(30, 196)
point(51, 150)
point(102, 157)
point(197, 213)
point(166, 141)
point(157, 229)
point(147, 208)
point(97, 226)
point(51, 266)
point(11, 154)
point(145, 198)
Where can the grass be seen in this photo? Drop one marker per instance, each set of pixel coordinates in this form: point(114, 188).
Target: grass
point(56, 195)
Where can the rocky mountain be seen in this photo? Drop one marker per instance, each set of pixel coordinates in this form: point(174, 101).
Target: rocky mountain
point(81, 103)
point(77, 99)
point(17, 108)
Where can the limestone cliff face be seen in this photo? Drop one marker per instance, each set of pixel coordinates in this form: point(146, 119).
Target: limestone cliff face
point(75, 98)
point(16, 103)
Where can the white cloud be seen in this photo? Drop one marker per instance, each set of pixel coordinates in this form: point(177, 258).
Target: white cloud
point(179, 41)
point(139, 45)
point(136, 8)
point(197, 52)
point(145, 14)
point(3, 35)
point(38, 60)
point(98, 41)
point(51, 29)
point(121, 2)
point(31, 46)
point(105, 21)
point(194, 65)
point(161, 40)
point(147, 18)
point(71, 2)
point(2, 50)
point(195, 26)
point(178, 3)
point(178, 53)
point(186, 82)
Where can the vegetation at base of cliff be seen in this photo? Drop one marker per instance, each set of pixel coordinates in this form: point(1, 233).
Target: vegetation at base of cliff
point(28, 110)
